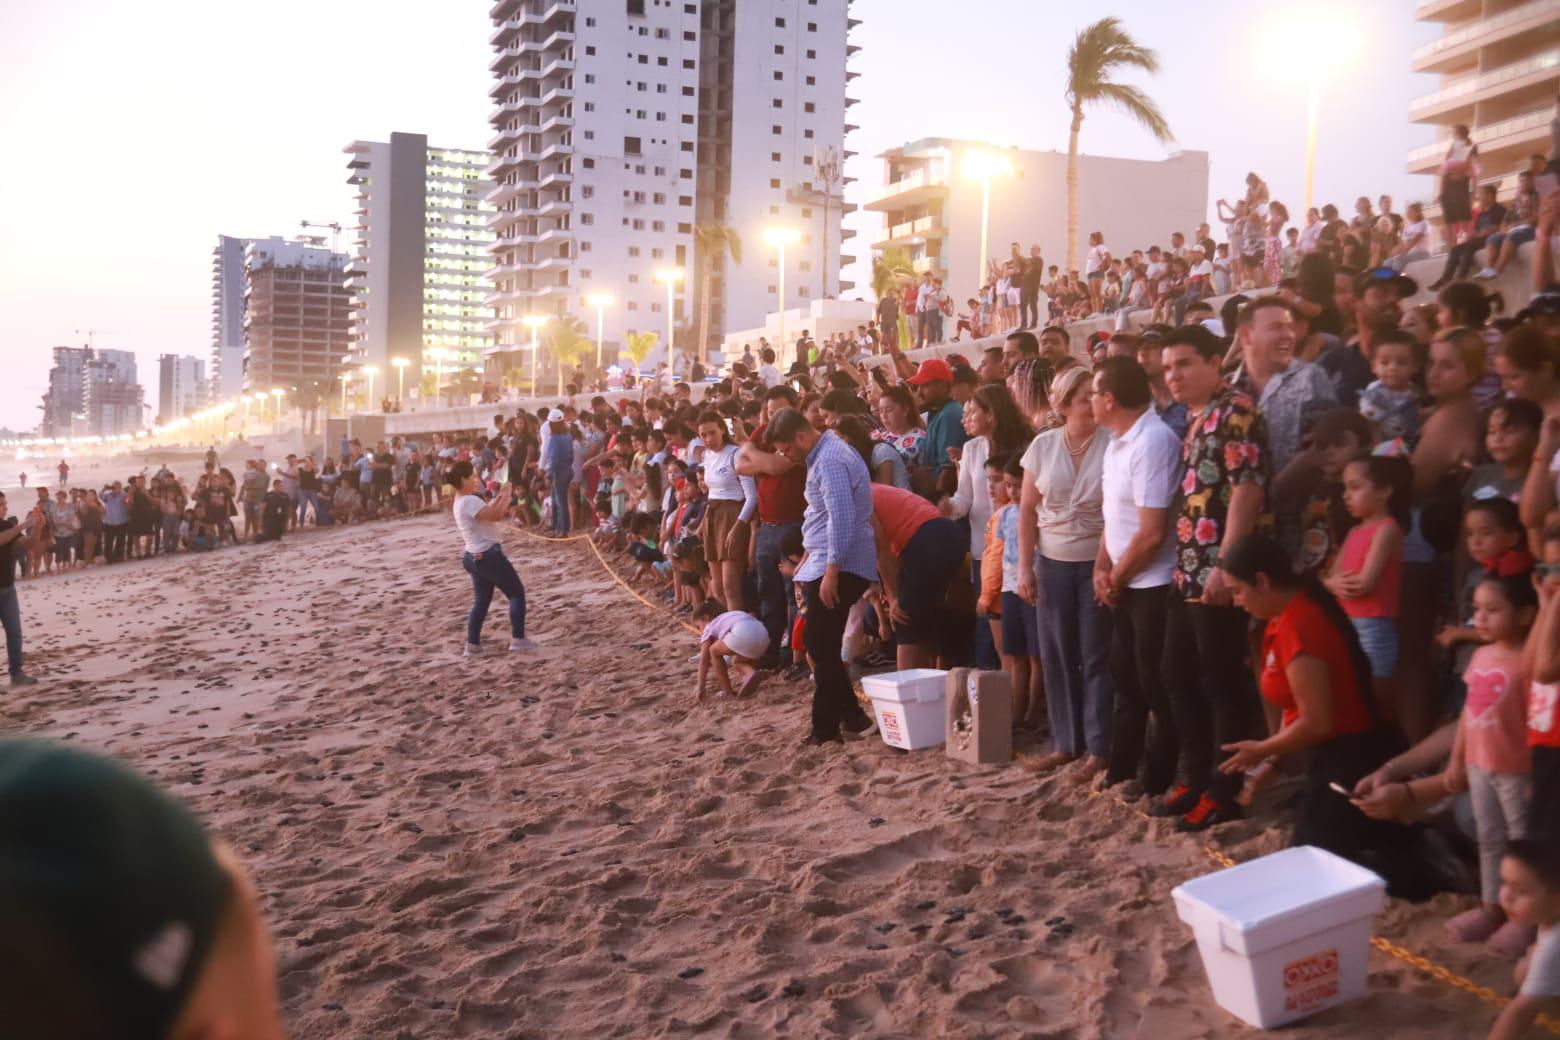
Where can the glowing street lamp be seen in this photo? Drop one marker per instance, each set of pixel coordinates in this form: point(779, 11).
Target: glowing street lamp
point(779, 238)
point(983, 166)
point(400, 364)
point(278, 393)
point(1333, 22)
point(371, 371)
point(671, 276)
point(534, 322)
point(601, 301)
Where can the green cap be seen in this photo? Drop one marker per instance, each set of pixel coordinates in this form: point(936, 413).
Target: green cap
point(110, 896)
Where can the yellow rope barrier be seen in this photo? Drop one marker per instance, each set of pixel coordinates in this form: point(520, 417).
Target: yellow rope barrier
point(1418, 963)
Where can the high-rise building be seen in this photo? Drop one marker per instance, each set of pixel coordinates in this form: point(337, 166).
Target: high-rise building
point(932, 209)
point(621, 127)
point(297, 327)
point(114, 399)
point(181, 386)
point(1499, 63)
point(227, 317)
point(65, 403)
point(419, 276)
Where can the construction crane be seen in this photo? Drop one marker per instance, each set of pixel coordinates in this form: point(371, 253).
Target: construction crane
point(335, 231)
point(91, 333)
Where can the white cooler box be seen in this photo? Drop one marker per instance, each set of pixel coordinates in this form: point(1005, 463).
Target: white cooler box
point(1284, 936)
point(909, 706)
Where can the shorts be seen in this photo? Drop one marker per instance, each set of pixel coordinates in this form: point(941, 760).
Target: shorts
point(64, 546)
point(719, 520)
point(1020, 628)
point(1379, 638)
point(799, 632)
point(1253, 259)
point(1097, 276)
point(1014, 296)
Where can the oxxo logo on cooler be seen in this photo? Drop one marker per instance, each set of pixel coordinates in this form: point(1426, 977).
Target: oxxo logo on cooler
point(889, 722)
point(1311, 981)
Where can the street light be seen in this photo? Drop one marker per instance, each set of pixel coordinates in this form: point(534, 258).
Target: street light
point(983, 166)
point(1331, 21)
point(534, 322)
point(671, 276)
point(371, 371)
point(779, 238)
point(400, 364)
point(278, 393)
point(601, 301)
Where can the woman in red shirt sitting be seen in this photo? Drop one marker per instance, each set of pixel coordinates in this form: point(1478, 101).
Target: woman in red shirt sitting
point(1315, 671)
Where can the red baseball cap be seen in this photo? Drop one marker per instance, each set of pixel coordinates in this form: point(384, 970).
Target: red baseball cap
point(932, 370)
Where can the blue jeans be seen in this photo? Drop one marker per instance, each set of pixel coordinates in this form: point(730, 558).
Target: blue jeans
point(1075, 658)
point(560, 501)
point(308, 499)
point(491, 569)
point(985, 645)
point(11, 619)
point(776, 600)
point(1379, 640)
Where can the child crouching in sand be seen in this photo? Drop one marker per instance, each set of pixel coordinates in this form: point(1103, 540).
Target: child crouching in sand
point(733, 632)
point(1530, 896)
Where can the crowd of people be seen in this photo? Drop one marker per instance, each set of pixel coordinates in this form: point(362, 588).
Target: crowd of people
point(1315, 535)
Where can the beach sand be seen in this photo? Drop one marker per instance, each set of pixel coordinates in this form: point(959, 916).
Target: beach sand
point(561, 845)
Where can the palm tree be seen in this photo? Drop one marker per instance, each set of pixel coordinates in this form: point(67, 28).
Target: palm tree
point(1097, 52)
point(638, 346)
point(714, 242)
point(568, 343)
point(888, 267)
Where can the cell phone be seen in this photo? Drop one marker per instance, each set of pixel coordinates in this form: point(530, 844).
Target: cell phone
point(1341, 790)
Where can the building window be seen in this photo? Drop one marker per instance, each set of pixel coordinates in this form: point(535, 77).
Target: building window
point(812, 54)
point(587, 191)
point(779, 75)
point(584, 247)
point(658, 225)
point(687, 92)
point(812, 26)
point(639, 224)
point(779, 48)
point(660, 117)
point(663, 34)
point(776, 129)
point(633, 252)
point(590, 49)
point(636, 7)
point(806, 211)
point(774, 156)
point(775, 103)
point(630, 146)
point(656, 254)
point(588, 163)
point(779, 23)
point(802, 291)
point(687, 120)
point(661, 61)
point(774, 182)
point(660, 199)
point(687, 146)
point(774, 211)
point(807, 134)
point(584, 274)
point(812, 81)
point(660, 171)
point(683, 229)
point(660, 88)
point(686, 175)
point(590, 77)
point(688, 63)
point(685, 200)
point(655, 308)
point(805, 265)
point(633, 279)
point(590, 23)
point(809, 107)
point(689, 37)
point(590, 106)
point(644, 59)
point(771, 290)
point(632, 305)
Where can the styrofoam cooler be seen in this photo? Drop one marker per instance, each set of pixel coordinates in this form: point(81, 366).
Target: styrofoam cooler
point(909, 706)
point(1284, 936)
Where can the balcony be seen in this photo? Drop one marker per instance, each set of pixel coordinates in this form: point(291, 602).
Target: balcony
point(912, 189)
point(503, 86)
point(927, 263)
point(1535, 75)
point(507, 28)
point(555, 179)
point(1447, 10)
point(1460, 47)
point(919, 230)
point(1522, 131)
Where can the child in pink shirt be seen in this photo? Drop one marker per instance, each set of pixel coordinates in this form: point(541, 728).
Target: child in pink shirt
point(1491, 756)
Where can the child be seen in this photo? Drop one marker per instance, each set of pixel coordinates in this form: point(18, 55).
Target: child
point(642, 547)
point(732, 632)
point(1490, 758)
point(1530, 897)
point(1369, 569)
point(1020, 655)
point(1311, 487)
point(1390, 402)
point(1494, 536)
point(1511, 438)
point(989, 604)
point(1544, 698)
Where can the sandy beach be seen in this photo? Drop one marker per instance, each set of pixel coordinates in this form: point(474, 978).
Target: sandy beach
point(562, 845)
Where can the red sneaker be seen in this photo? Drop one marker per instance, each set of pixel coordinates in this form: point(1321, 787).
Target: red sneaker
point(1206, 813)
point(1178, 801)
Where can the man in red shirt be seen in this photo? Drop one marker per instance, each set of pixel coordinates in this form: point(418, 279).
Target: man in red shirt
point(780, 507)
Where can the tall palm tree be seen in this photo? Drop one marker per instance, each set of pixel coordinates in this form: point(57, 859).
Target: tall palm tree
point(638, 345)
point(888, 267)
point(1097, 53)
point(714, 242)
point(568, 343)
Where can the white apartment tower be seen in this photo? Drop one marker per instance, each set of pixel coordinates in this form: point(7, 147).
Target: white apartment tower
point(181, 386)
point(622, 124)
point(1499, 63)
point(227, 317)
point(418, 276)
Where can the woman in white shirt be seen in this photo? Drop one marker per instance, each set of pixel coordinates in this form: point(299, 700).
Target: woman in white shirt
point(1416, 239)
point(484, 559)
point(1060, 516)
point(1094, 264)
point(732, 502)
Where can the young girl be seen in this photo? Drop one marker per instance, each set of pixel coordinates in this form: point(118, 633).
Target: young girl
point(1369, 569)
point(1391, 402)
point(1493, 534)
point(1543, 716)
point(1490, 758)
point(989, 605)
point(729, 632)
point(1019, 645)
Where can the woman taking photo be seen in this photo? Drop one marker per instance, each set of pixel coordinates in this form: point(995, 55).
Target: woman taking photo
point(732, 501)
point(1060, 516)
point(484, 559)
point(1318, 676)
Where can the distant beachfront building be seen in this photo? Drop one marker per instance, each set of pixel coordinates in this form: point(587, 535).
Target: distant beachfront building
point(181, 386)
point(931, 208)
point(65, 402)
point(1499, 64)
point(227, 317)
point(296, 322)
point(419, 273)
point(620, 128)
point(114, 400)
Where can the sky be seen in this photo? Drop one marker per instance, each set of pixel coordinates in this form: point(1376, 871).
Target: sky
point(137, 132)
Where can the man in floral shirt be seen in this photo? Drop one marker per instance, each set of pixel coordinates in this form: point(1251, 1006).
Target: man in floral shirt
point(1225, 455)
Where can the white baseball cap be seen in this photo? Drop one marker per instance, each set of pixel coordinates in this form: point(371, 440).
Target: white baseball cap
point(748, 638)
point(556, 415)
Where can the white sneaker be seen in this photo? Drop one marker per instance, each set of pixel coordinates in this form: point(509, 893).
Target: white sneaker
point(523, 645)
point(1487, 273)
point(472, 650)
